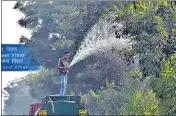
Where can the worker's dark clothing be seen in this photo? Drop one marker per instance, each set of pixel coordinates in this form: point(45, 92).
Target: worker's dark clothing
point(62, 63)
point(63, 75)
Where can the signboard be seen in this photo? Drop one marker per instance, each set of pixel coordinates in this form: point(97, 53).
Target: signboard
point(14, 57)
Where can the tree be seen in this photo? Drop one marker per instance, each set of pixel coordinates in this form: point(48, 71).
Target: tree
point(131, 98)
point(152, 31)
point(151, 26)
point(105, 68)
point(58, 26)
point(165, 86)
point(142, 103)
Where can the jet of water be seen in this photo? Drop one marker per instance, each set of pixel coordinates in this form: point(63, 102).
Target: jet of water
point(99, 38)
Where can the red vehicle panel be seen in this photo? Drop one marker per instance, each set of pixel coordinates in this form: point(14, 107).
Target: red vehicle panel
point(34, 107)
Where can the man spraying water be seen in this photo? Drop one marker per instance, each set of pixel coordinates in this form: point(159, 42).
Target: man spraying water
point(63, 67)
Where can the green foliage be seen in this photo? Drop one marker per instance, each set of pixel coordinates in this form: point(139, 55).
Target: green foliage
point(150, 23)
point(132, 98)
point(135, 74)
point(105, 102)
point(168, 71)
point(142, 103)
point(165, 86)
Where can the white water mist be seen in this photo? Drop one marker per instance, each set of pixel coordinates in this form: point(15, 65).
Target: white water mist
point(99, 38)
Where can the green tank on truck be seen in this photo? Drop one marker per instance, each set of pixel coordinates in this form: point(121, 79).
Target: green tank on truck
point(61, 105)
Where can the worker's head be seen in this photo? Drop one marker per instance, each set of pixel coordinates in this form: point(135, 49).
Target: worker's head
point(66, 55)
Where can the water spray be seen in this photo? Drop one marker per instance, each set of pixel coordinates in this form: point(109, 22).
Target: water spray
point(99, 38)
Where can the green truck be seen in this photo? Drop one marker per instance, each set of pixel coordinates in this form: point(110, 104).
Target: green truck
point(59, 105)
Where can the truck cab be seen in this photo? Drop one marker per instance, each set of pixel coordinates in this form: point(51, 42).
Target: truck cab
point(59, 105)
